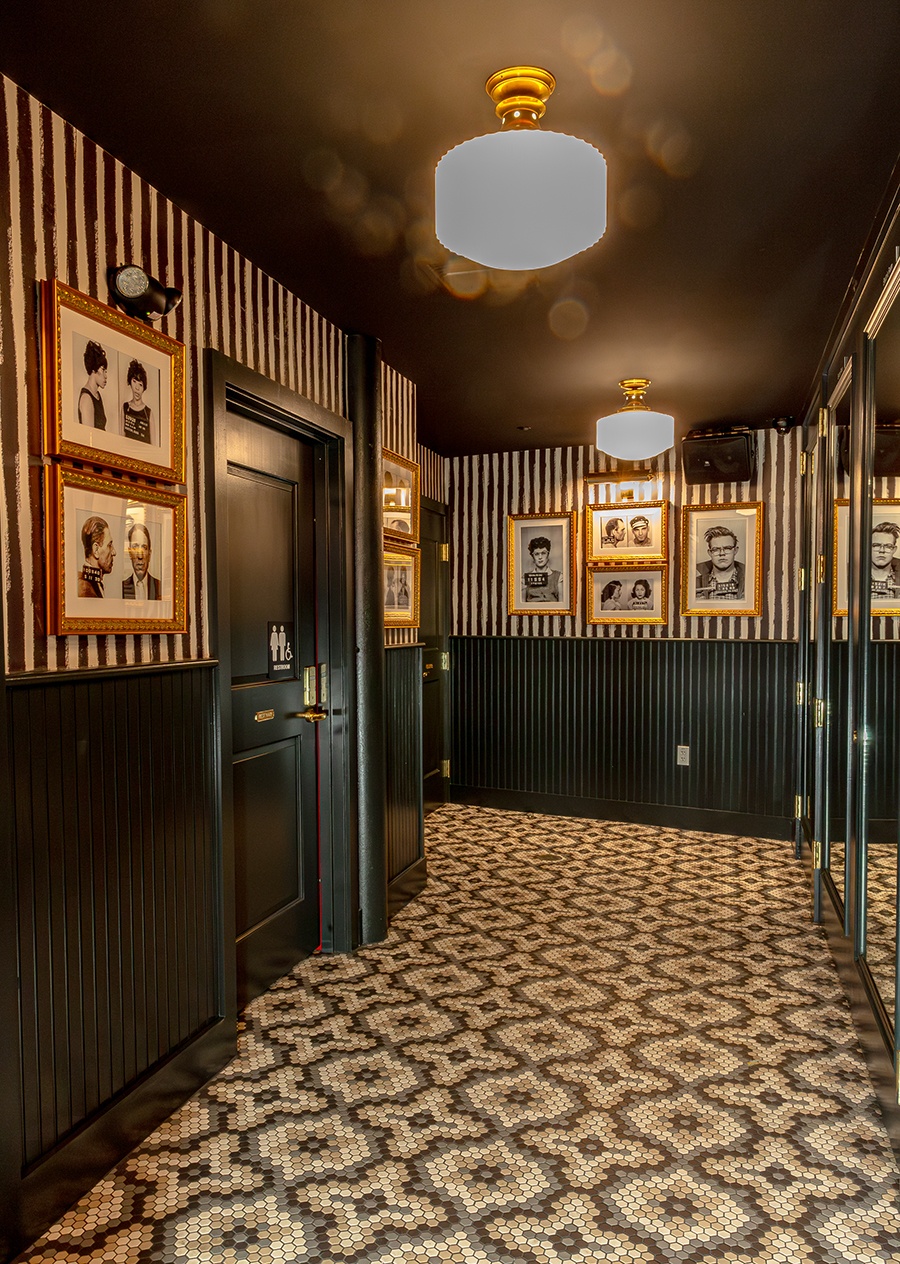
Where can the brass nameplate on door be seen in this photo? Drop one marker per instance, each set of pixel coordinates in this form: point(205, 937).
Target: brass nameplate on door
point(264, 715)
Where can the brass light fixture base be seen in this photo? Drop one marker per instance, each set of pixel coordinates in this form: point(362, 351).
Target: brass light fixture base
point(519, 94)
point(635, 389)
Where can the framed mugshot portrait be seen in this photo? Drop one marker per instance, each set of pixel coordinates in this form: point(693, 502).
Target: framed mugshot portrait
point(116, 555)
point(625, 530)
point(113, 388)
point(540, 563)
point(402, 578)
point(627, 594)
point(884, 558)
point(721, 559)
point(399, 498)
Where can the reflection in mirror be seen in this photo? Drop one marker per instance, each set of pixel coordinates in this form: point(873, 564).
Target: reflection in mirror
point(883, 782)
point(837, 790)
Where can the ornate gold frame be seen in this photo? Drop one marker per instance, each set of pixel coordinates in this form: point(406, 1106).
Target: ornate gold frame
point(542, 608)
point(395, 554)
point(625, 509)
point(57, 298)
point(688, 513)
point(60, 623)
point(620, 573)
point(835, 610)
point(412, 536)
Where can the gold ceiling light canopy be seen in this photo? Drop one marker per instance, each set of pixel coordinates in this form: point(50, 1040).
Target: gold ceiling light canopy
point(521, 198)
point(635, 431)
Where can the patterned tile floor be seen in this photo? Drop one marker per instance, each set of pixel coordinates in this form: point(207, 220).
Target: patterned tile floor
point(584, 1042)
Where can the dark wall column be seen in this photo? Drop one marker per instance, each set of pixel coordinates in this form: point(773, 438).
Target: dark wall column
point(364, 411)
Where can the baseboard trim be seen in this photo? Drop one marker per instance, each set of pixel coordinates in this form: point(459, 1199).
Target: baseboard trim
point(406, 886)
point(63, 1176)
point(676, 817)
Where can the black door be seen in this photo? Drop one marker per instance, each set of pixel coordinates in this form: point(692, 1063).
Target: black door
point(433, 629)
point(271, 621)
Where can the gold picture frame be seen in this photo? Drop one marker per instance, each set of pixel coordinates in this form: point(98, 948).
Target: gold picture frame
point(628, 594)
point(722, 579)
point(885, 593)
point(399, 498)
point(626, 531)
point(116, 555)
point(113, 388)
point(542, 584)
point(402, 574)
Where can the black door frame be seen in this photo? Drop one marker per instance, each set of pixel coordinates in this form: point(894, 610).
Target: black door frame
point(233, 387)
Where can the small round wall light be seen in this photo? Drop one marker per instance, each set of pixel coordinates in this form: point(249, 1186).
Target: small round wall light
point(140, 294)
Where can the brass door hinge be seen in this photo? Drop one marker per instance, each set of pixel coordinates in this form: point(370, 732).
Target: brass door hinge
point(445, 660)
point(798, 807)
point(800, 693)
point(817, 854)
point(802, 462)
point(445, 552)
point(445, 767)
point(823, 422)
point(820, 568)
point(801, 578)
point(819, 720)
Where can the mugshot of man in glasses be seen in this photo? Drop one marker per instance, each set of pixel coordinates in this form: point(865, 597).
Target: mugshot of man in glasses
point(885, 566)
point(722, 577)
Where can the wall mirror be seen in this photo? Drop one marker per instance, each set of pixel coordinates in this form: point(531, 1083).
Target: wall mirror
point(881, 784)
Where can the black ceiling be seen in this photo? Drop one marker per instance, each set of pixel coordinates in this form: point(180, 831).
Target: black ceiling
point(749, 147)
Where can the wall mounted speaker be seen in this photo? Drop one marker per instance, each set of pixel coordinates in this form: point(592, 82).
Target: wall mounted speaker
point(718, 456)
point(887, 449)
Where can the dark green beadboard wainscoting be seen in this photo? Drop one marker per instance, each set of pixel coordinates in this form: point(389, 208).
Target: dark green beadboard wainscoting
point(406, 866)
point(580, 727)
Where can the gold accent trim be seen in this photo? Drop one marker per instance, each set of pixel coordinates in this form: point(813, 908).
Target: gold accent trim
point(520, 95)
point(819, 713)
point(798, 807)
point(801, 578)
point(619, 572)
point(261, 716)
point(817, 854)
point(625, 509)
point(445, 552)
point(445, 767)
point(820, 568)
point(800, 693)
point(712, 611)
point(545, 608)
point(823, 422)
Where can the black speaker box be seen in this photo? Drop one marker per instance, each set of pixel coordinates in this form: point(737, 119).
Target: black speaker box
point(723, 456)
point(887, 449)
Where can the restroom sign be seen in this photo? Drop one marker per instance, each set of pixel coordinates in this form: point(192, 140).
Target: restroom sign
point(281, 650)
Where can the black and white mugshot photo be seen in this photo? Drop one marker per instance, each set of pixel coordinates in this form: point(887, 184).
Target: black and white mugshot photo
point(620, 595)
point(626, 530)
point(540, 555)
point(720, 559)
point(884, 557)
point(116, 387)
point(115, 562)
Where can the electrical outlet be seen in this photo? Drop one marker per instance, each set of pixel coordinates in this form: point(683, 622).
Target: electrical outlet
point(683, 755)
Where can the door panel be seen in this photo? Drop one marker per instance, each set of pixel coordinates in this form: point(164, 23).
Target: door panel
point(271, 573)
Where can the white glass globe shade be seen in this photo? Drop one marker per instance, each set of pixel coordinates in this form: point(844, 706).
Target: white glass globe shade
point(520, 199)
point(634, 434)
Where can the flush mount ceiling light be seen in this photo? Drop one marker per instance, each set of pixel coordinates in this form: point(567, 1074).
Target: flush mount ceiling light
point(635, 432)
point(520, 198)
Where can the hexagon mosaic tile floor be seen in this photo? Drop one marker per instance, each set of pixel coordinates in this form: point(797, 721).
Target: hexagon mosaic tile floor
point(585, 1041)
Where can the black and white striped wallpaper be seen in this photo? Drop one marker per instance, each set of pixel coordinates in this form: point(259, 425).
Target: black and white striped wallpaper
point(484, 489)
point(69, 210)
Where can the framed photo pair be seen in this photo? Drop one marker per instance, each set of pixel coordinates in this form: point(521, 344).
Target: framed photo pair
point(113, 388)
point(540, 563)
point(884, 558)
point(626, 531)
point(399, 498)
point(628, 594)
point(721, 559)
point(402, 581)
point(116, 555)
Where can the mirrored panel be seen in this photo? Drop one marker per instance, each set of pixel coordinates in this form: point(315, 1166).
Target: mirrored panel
point(883, 780)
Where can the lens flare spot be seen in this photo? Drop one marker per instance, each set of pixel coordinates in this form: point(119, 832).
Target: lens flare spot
point(639, 207)
point(581, 37)
point(673, 148)
point(568, 319)
point(464, 279)
point(610, 71)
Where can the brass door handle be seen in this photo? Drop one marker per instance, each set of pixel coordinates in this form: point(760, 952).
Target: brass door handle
point(310, 714)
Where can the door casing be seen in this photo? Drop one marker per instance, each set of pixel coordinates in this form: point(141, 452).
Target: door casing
point(235, 388)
